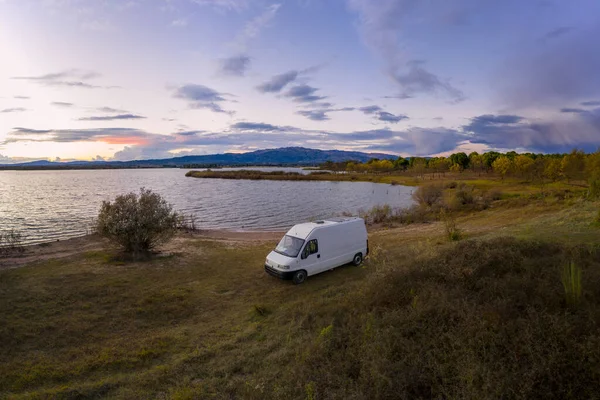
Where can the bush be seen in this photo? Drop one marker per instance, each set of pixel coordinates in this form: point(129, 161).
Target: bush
point(11, 242)
point(428, 195)
point(137, 224)
point(450, 226)
point(377, 214)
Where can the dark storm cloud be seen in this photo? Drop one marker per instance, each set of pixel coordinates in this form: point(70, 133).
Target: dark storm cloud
point(112, 117)
point(582, 130)
point(201, 97)
point(234, 66)
point(560, 72)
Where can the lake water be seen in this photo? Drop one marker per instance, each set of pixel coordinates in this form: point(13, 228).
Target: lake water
point(50, 205)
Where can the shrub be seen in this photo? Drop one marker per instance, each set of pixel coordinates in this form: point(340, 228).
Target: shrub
point(428, 195)
point(451, 185)
point(11, 242)
point(377, 214)
point(137, 224)
point(450, 226)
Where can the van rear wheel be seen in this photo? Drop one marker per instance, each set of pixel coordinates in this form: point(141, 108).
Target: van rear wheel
point(358, 259)
point(299, 277)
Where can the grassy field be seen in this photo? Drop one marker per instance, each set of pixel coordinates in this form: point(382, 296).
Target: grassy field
point(484, 317)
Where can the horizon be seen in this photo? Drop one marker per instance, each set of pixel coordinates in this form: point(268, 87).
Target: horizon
point(156, 79)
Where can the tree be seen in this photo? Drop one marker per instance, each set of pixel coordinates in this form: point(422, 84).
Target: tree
point(461, 159)
point(137, 224)
point(573, 165)
point(523, 164)
point(401, 163)
point(476, 161)
point(552, 169)
point(489, 158)
point(502, 166)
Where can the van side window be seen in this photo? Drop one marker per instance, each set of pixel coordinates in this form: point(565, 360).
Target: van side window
point(311, 247)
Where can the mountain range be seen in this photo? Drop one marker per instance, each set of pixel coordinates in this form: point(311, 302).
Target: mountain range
point(285, 156)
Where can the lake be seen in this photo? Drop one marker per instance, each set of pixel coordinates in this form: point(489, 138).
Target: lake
point(50, 205)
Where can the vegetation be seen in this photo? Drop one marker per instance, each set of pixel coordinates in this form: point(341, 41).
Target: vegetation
point(481, 318)
point(11, 243)
point(138, 224)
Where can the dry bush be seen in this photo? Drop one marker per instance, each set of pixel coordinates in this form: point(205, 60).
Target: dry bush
point(429, 195)
point(138, 224)
point(11, 243)
point(450, 225)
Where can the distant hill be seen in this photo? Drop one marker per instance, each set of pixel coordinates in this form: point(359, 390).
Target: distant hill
point(280, 157)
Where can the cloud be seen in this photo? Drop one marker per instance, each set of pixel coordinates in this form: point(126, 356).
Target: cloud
point(189, 133)
point(111, 117)
point(234, 66)
point(561, 72)
point(581, 130)
point(416, 79)
point(69, 78)
point(62, 104)
point(235, 5)
point(555, 33)
point(382, 115)
point(381, 24)
point(254, 26)
point(572, 110)
point(255, 126)
point(389, 117)
point(303, 94)
point(21, 97)
point(202, 97)
point(13, 110)
point(590, 103)
point(278, 82)
point(320, 114)
point(370, 109)
point(179, 23)
point(111, 110)
point(238, 65)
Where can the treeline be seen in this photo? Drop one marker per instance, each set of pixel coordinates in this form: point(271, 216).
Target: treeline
point(572, 167)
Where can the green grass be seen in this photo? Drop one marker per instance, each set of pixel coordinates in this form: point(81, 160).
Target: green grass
point(485, 317)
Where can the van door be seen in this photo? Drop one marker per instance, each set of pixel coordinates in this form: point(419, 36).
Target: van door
point(311, 258)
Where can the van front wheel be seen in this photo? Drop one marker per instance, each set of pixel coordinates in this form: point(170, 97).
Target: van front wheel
point(357, 259)
point(299, 277)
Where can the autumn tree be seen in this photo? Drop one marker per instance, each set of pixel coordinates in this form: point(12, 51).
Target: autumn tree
point(502, 165)
point(523, 165)
point(573, 165)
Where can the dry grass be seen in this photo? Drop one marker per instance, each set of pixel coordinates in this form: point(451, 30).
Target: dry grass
point(423, 318)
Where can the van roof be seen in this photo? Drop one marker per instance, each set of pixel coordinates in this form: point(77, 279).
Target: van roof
point(303, 230)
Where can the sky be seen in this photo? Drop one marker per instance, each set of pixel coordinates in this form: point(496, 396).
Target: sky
point(139, 79)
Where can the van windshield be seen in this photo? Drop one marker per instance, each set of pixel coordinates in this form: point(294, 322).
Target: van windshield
point(289, 246)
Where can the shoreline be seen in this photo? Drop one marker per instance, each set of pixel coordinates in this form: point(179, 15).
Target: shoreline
point(64, 248)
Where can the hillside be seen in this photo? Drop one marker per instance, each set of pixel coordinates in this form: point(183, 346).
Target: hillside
point(280, 157)
point(482, 318)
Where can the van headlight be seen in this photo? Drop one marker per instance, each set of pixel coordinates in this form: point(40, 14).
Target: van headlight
point(284, 266)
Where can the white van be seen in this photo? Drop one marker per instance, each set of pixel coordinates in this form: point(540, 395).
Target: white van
point(314, 247)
